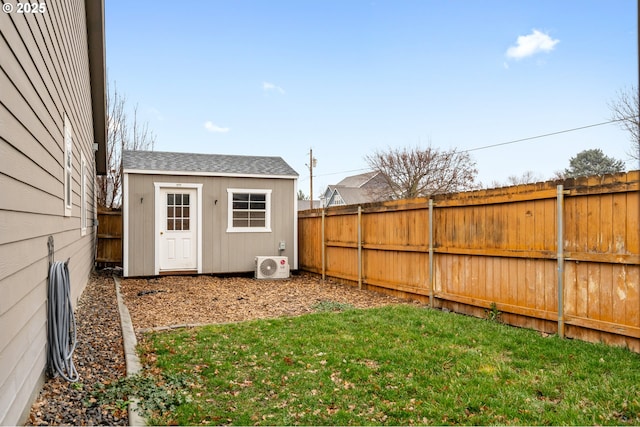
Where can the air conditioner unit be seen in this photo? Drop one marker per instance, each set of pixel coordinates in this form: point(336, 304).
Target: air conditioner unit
point(272, 267)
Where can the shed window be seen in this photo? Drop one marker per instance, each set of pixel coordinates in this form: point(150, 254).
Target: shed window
point(249, 210)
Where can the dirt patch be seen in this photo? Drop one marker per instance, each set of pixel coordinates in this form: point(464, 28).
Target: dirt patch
point(180, 300)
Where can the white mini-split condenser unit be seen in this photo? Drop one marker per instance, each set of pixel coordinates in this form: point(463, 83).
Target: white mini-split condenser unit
point(272, 267)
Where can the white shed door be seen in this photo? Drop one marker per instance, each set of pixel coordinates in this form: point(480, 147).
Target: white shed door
point(178, 229)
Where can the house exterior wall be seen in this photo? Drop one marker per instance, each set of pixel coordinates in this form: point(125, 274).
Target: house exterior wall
point(44, 82)
point(222, 251)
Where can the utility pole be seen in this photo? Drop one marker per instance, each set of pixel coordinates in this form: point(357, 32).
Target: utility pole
point(312, 163)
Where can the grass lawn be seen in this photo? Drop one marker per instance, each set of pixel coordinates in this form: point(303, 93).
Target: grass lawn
point(397, 365)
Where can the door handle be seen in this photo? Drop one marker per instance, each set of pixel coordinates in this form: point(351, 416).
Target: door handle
point(161, 233)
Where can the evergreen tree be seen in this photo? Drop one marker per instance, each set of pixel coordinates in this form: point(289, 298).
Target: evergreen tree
point(592, 162)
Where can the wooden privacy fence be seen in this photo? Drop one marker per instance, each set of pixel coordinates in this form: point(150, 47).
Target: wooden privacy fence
point(109, 243)
point(557, 258)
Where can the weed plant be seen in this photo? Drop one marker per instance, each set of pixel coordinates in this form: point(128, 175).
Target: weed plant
point(328, 305)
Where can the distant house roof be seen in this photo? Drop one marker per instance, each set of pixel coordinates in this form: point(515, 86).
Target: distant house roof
point(205, 164)
point(354, 196)
point(357, 189)
point(357, 181)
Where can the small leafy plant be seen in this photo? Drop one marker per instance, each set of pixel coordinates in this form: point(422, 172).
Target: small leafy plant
point(156, 395)
point(493, 314)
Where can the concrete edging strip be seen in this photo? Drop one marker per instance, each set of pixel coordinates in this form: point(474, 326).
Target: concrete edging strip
point(131, 357)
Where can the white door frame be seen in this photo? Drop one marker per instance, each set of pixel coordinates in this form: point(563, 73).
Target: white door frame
point(158, 219)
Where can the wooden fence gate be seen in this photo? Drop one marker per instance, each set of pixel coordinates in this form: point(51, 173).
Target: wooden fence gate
point(109, 245)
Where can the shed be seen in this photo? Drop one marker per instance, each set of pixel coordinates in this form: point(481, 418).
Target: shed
point(206, 213)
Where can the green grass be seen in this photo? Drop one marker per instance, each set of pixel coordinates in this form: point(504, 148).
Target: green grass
point(397, 365)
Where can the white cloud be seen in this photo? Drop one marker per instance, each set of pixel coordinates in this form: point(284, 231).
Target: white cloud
point(208, 125)
point(531, 44)
point(269, 87)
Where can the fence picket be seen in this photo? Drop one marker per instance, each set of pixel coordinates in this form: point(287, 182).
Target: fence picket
point(499, 246)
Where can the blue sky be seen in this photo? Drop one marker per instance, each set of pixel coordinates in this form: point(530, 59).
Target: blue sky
point(348, 77)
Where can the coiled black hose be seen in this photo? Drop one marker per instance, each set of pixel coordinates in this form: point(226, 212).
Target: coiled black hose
point(61, 327)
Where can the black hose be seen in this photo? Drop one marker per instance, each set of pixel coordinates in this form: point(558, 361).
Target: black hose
point(61, 328)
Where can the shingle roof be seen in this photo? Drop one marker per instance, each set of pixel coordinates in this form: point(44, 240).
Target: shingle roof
point(363, 188)
point(354, 196)
point(206, 163)
point(356, 181)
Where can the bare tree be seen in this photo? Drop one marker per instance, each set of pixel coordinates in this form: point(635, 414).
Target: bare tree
point(421, 172)
point(527, 177)
point(123, 133)
point(626, 110)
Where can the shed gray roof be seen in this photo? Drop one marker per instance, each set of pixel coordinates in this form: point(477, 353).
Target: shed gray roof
point(207, 164)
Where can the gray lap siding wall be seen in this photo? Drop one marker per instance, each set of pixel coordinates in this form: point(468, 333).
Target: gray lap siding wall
point(44, 76)
point(223, 252)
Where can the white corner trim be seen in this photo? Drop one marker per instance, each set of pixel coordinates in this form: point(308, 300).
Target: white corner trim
point(84, 203)
point(199, 222)
point(125, 225)
point(295, 223)
point(157, 205)
point(67, 167)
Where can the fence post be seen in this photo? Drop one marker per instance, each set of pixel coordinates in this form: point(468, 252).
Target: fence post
point(359, 247)
point(323, 246)
point(431, 253)
point(560, 256)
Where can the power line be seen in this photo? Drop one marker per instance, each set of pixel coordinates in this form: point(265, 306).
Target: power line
point(515, 141)
point(336, 173)
point(545, 135)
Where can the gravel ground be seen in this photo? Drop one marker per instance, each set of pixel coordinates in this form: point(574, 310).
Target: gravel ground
point(99, 358)
point(186, 300)
point(165, 302)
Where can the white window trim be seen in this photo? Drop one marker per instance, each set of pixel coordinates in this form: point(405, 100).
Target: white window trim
point(84, 205)
point(67, 167)
point(231, 228)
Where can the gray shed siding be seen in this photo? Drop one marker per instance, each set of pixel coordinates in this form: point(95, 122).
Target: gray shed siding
point(44, 75)
point(222, 252)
